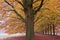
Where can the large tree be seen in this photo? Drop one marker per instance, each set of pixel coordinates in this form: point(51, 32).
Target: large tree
point(30, 12)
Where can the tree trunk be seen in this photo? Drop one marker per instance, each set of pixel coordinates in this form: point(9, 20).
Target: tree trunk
point(29, 28)
point(28, 10)
point(29, 24)
point(53, 29)
point(50, 30)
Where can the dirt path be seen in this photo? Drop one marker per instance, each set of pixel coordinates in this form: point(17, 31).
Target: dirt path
point(37, 37)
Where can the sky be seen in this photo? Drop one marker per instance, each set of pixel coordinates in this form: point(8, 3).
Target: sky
point(2, 31)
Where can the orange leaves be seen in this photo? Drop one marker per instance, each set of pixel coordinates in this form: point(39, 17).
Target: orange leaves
point(49, 14)
point(18, 26)
point(15, 25)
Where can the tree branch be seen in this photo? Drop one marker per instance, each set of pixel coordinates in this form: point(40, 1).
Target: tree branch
point(19, 16)
point(41, 14)
point(39, 7)
point(22, 19)
point(19, 3)
point(8, 3)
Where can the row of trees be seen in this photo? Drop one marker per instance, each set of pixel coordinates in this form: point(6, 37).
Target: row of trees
point(31, 8)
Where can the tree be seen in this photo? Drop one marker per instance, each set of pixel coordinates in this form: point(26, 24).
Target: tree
point(30, 12)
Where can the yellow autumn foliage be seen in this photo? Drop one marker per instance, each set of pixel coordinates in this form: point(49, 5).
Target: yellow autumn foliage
point(49, 10)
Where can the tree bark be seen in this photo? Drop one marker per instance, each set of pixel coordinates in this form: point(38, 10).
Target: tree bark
point(29, 28)
point(53, 29)
point(29, 24)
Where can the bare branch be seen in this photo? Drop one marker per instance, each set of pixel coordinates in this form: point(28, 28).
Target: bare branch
point(39, 7)
point(19, 3)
